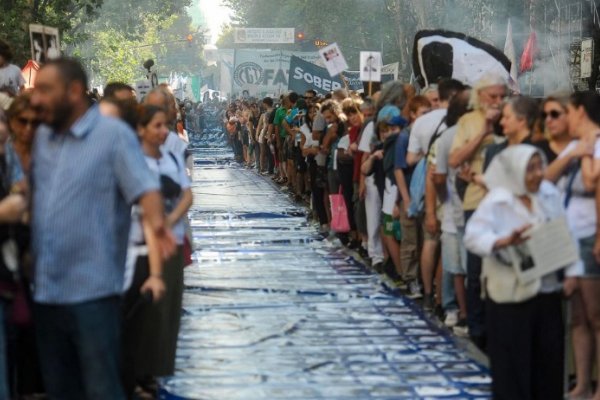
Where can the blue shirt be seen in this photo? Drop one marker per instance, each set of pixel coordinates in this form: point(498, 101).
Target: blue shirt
point(84, 181)
point(400, 158)
point(15, 171)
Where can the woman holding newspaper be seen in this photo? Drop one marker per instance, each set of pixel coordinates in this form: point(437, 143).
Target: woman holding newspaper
point(523, 299)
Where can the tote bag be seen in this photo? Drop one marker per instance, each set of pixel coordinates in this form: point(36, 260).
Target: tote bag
point(339, 213)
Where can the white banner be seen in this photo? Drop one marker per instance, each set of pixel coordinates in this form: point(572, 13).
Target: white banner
point(391, 69)
point(265, 72)
point(334, 59)
point(45, 43)
point(263, 35)
point(587, 54)
point(370, 66)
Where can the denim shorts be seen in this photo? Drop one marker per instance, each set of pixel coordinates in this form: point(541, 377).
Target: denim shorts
point(586, 250)
point(454, 253)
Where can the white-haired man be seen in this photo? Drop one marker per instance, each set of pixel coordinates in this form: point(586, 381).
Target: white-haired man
point(474, 135)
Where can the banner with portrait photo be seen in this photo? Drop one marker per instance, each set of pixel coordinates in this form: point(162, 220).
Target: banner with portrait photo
point(45, 43)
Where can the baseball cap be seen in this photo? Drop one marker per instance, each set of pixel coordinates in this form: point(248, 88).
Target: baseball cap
point(390, 114)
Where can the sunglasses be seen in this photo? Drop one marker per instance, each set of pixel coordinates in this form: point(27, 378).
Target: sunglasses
point(554, 114)
point(27, 121)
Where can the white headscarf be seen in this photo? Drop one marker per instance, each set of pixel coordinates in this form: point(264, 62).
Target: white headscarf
point(507, 170)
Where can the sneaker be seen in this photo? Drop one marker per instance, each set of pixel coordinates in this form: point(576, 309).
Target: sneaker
point(378, 267)
point(363, 253)
point(461, 329)
point(428, 303)
point(438, 312)
point(400, 283)
point(414, 290)
point(451, 318)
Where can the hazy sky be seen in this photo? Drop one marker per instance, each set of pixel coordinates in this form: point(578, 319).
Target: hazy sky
point(210, 14)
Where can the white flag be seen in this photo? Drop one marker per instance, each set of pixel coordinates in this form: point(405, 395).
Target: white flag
point(509, 51)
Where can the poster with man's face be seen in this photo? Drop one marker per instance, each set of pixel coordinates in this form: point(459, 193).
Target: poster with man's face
point(45, 43)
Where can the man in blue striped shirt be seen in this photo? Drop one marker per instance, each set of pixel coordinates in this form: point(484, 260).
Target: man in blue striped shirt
point(87, 171)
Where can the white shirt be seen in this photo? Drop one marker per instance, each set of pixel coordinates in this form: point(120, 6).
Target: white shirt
point(453, 217)
point(367, 137)
point(174, 144)
point(390, 195)
point(10, 75)
point(166, 166)
point(308, 142)
point(581, 212)
point(423, 129)
point(500, 213)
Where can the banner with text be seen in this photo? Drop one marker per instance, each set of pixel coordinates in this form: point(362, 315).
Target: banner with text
point(305, 75)
point(263, 35)
point(264, 72)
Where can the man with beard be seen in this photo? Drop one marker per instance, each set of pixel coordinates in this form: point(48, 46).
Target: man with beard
point(87, 170)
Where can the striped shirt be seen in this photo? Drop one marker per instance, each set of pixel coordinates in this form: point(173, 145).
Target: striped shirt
point(84, 182)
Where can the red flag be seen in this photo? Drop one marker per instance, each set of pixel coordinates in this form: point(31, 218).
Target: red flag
point(529, 53)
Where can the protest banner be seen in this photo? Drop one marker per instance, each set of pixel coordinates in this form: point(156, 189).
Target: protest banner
point(443, 54)
point(45, 43)
point(264, 72)
point(370, 66)
point(333, 59)
point(263, 35)
point(305, 75)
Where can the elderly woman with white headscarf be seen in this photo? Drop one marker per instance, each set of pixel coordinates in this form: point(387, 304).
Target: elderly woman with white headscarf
point(523, 320)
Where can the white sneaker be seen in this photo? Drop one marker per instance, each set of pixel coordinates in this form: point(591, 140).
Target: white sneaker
point(461, 329)
point(451, 318)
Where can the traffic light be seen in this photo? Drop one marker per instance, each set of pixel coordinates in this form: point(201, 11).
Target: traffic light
point(190, 38)
point(300, 37)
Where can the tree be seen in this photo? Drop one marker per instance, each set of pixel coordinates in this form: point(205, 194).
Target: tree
point(125, 34)
point(16, 15)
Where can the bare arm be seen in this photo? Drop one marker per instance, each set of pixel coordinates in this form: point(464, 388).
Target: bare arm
point(466, 152)
point(556, 169)
point(402, 186)
point(152, 206)
point(367, 165)
point(329, 136)
point(413, 158)
point(154, 283)
point(431, 222)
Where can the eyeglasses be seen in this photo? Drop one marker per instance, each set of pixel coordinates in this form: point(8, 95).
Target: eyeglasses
point(27, 121)
point(554, 114)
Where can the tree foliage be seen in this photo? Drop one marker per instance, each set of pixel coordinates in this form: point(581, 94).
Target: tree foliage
point(16, 15)
point(390, 25)
point(112, 37)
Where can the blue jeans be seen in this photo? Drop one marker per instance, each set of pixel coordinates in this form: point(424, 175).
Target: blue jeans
point(80, 347)
point(448, 293)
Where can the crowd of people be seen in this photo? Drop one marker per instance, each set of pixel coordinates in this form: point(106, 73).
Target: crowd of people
point(94, 236)
point(442, 186)
point(442, 189)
